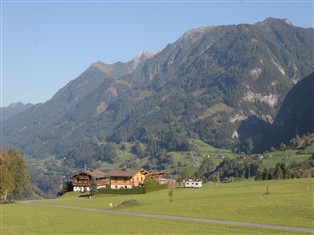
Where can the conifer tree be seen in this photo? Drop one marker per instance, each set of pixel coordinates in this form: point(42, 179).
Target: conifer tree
point(93, 186)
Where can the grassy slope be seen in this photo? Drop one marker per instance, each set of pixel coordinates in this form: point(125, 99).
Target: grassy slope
point(286, 157)
point(289, 203)
point(200, 150)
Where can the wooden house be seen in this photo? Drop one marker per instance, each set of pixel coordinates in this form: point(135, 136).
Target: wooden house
point(81, 180)
point(127, 178)
point(159, 176)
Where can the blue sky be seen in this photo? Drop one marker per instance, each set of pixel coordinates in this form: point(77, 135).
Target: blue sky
point(45, 44)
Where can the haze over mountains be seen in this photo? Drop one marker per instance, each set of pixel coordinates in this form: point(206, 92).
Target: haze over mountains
point(223, 85)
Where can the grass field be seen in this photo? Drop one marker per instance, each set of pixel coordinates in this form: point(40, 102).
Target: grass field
point(290, 203)
point(30, 219)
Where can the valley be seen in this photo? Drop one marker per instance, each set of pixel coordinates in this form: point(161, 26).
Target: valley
point(217, 96)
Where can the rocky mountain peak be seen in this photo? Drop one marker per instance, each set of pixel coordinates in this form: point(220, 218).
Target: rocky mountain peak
point(268, 22)
point(140, 58)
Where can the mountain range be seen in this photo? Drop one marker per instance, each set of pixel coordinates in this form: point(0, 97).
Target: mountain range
point(13, 109)
point(221, 84)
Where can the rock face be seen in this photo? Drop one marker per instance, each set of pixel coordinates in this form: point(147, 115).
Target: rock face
point(221, 84)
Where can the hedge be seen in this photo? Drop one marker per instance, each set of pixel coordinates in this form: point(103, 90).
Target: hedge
point(135, 190)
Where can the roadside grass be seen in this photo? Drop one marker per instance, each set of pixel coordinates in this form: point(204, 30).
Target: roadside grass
point(33, 219)
point(289, 203)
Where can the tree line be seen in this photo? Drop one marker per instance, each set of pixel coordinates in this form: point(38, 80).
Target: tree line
point(232, 169)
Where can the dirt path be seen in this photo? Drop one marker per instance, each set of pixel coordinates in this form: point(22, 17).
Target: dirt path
point(173, 217)
point(193, 158)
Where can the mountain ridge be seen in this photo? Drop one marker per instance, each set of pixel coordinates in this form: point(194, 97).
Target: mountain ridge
point(13, 109)
point(205, 84)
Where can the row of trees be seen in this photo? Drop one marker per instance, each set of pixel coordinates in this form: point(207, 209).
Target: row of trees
point(304, 169)
point(230, 169)
point(13, 173)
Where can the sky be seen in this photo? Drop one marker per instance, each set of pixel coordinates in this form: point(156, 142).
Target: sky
point(45, 44)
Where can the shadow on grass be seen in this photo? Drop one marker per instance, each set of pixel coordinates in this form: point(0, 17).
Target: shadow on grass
point(85, 195)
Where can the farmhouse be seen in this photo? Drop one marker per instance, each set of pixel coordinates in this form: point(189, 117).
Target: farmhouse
point(193, 184)
point(159, 176)
point(115, 179)
point(81, 180)
point(127, 178)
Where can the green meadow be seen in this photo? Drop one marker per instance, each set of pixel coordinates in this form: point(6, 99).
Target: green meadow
point(289, 203)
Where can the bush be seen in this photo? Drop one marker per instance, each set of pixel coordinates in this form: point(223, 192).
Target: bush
point(127, 204)
point(151, 184)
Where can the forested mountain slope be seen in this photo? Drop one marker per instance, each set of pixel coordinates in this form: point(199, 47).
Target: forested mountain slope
point(296, 115)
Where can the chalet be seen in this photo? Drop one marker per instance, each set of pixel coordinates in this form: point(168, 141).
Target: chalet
point(127, 177)
point(159, 176)
point(81, 180)
point(192, 184)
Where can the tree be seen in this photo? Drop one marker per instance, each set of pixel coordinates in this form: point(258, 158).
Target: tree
point(282, 146)
point(248, 146)
point(207, 166)
point(18, 170)
point(170, 194)
point(6, 179)
point(278, 174)
point(66, 187)
point(13, 173)
point(184, 174)
point(93, 187)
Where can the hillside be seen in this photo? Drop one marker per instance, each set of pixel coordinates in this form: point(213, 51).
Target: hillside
point(296, 115)
point(223, 85)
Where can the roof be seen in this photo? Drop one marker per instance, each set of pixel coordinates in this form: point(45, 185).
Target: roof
point(125, 172)
point(94, 173)
point(158, 173)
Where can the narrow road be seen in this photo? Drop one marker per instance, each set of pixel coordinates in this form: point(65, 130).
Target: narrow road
point(174, 217)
